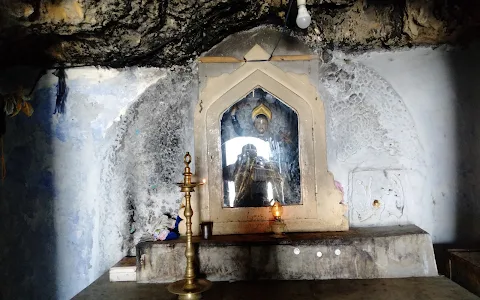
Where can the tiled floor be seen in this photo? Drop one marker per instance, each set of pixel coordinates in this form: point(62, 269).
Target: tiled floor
point(434, 288)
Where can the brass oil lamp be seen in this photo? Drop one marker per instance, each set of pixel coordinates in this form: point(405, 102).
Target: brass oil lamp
point(190, 287)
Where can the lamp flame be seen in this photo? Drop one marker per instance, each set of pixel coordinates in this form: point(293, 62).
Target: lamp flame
point(277, 210)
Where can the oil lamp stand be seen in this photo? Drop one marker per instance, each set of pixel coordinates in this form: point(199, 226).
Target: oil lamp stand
point(190, 287)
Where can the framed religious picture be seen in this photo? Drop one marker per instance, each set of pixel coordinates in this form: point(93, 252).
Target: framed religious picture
point(260, 154)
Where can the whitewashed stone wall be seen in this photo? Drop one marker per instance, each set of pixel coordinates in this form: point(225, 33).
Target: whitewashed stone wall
point(83, 187)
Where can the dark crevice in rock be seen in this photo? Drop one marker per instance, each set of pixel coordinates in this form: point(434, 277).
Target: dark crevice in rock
point(330, 8)
point(119, 33)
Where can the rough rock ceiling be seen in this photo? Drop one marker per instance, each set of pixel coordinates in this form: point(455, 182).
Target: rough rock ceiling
point(121, 33)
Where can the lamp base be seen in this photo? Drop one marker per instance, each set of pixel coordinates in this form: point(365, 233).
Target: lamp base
point(200, 286)
point(278, 228)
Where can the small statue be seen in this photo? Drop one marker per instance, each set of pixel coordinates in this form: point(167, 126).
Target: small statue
point(261, 116)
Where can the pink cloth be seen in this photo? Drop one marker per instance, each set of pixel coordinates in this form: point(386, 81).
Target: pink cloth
point(163, 234)
point(339, 187)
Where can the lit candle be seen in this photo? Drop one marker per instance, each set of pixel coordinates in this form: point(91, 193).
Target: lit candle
point(277, 210)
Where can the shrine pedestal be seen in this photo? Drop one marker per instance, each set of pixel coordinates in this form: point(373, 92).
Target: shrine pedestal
point(360, 253)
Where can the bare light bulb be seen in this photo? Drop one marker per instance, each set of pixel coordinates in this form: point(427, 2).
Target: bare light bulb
point(303, 17)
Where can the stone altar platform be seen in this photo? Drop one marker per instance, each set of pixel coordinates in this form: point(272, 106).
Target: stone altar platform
point(425, 288)
point(360, 253)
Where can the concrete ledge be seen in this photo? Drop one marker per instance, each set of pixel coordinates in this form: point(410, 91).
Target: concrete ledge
point(425, 288)
point(360, 253)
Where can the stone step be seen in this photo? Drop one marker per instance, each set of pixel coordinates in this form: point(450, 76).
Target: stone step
point(360, 253)
point(124, 270)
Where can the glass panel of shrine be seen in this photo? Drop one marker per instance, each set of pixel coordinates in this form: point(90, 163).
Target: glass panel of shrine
point(260, 153)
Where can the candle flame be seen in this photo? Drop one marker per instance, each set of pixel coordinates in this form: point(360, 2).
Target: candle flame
point(277, 210)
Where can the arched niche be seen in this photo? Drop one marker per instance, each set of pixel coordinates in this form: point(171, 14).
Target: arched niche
point(320, 208)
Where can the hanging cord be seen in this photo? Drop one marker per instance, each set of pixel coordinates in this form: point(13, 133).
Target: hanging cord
point(62, 91)
point(290, 2)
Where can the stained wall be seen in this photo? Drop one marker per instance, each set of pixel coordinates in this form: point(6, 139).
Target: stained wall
point(83, 187)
